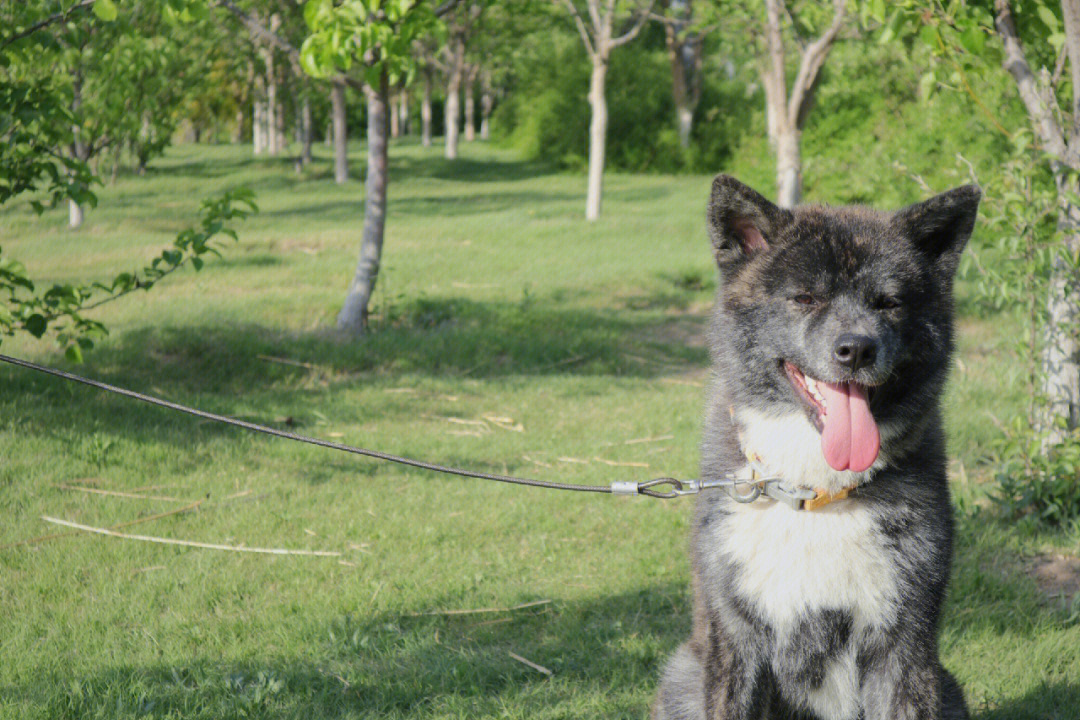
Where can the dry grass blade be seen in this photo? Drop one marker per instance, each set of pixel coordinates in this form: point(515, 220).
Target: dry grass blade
point(616, 463)
point(189, 543)
point(530, 663)
point(477, 611)
point(119, 493)
point(659, 438)
point(129, 523)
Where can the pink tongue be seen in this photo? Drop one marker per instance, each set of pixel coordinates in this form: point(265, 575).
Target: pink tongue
point(850, 439)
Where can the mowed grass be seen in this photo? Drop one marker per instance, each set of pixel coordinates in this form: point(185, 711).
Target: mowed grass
point(510, 336)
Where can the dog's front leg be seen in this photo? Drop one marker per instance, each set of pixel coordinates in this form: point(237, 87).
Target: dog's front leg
point(904, 683)
point(731, 675)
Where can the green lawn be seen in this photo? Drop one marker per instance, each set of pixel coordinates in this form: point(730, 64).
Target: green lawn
point(510, 336)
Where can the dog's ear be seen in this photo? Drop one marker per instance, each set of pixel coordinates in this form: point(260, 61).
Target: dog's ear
point(741, 221)
point(940, 227)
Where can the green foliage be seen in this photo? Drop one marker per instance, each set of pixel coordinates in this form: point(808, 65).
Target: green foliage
point(547, 114)
point(61, 308)
point(376, 34)
point(1034, 483)
point(1038, 476)
point(35, 124)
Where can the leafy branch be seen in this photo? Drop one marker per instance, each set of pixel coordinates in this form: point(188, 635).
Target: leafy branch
point(60, 309)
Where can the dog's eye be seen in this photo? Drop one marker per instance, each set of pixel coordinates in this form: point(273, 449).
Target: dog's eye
point(888, 303)
point(805, 299)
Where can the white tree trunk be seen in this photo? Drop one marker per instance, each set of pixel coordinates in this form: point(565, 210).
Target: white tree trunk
point(75, 214)
point(354, 313)
point(305, 131)
point(597, 139)
point(470, 111)
point(78, 145)
point(341, 156)
point(685, 115)
point(258, 126)
point(271, 107)
point(1060, 351)
point(788, 168)
point(425, 111)
point(453, 110)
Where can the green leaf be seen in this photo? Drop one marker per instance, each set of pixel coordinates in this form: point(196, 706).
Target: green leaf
point(36, 325)
point(105, 10)
point(74, 354)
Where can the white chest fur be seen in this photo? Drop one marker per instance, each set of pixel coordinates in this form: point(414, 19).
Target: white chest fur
point(792, 563)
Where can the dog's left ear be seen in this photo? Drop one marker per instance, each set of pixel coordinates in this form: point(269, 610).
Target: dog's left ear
point(742, 223)
point(940, 227)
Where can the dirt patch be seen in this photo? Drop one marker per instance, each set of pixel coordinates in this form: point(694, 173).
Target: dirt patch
point(1056, 575)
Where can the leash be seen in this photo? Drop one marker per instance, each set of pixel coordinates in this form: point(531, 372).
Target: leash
point(651, 488)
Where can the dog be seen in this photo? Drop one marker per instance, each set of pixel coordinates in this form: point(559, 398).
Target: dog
point(831, 342)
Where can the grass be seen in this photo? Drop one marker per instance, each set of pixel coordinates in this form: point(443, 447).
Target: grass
point(510, 336)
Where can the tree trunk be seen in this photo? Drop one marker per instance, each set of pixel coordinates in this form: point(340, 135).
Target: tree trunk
point(79, 149)
point(354, 313)
point(395, 118)
point(452, 110)
point(425, 111)
point(684, 55)
point(486, 102)
point(271, 108)
point(258, 125)
point(789, 168)
point(470, 106)
point(305, 131)
point(1060, 351)
point(403, 112)
point(238, 131)
point(341, 157)
point(328, 134)
point(597, 138)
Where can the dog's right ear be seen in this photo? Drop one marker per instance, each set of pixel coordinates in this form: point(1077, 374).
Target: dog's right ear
point(741, 221)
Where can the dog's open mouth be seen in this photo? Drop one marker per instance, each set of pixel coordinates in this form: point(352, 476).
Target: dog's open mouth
point(841, 411)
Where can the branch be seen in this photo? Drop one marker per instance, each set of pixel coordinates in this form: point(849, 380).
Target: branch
point(58, 17)
point(812, 60)
point(1071, 11)
point(774, 77)
point(635, 27)
point(257, 29)
point(585, 37)
point(1035, 98)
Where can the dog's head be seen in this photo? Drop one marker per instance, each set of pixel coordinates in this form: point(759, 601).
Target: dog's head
point(841, 314)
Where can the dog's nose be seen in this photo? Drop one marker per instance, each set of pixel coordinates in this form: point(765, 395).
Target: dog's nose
point(855, 351)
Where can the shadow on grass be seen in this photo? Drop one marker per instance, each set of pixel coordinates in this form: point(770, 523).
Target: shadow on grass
point(605, 651)
point(266, 375)
point(1057, 701)
point(605, 655)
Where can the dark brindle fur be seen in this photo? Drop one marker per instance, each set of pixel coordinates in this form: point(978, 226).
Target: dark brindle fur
point(833, 613)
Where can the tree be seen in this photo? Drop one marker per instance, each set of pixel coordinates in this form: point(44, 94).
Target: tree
point(684, 38)
point(608, 27)
point(461, 24)
point(40, 118)
point(786, 110)
point(1061, 350)
point(379, 37)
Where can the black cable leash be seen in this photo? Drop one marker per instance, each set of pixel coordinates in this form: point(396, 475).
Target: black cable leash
point(618, 487)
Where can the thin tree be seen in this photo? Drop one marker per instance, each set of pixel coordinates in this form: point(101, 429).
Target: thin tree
point(684, 39)
point(603, 27)
point(786, 110)
point(1039, 92)
point(461, 25)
